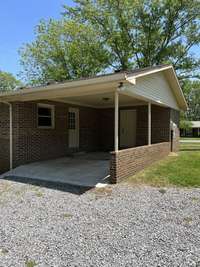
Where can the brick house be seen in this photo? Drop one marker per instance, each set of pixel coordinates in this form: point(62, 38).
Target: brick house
point(133, 115)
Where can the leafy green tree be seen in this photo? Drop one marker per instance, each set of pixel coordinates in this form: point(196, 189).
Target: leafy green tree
point(141, 33)
point(96, 35)
point(191, 89)
point(185, 124)
point(8, 81)
point(62, 50)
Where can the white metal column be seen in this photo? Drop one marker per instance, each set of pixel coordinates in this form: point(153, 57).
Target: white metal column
point(116, 120)
point(149, 123)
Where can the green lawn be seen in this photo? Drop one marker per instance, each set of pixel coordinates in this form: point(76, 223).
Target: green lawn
point(190, 138)
point(182, 169)
point(190, 146)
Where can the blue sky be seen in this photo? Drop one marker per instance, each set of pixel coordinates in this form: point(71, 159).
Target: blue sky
point(18, 19)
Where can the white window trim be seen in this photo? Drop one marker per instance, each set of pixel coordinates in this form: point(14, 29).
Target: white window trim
point(52, 107)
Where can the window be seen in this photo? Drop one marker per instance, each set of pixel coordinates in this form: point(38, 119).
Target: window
point(71, 120)
point(45, 116)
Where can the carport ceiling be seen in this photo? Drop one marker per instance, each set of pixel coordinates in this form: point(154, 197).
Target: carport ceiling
point(101, 100)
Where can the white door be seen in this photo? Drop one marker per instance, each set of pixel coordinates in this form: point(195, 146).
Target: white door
point(73, 127)
point(127, 128)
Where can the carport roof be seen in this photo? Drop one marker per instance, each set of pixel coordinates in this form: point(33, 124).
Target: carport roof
point(102, 83)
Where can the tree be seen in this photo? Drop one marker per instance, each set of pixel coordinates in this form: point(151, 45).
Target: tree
point(192, 93)
point(96, 35)
point(191, 89)
point(185, 124)
point(62, 50)
point(8, 81)
point(141, 33)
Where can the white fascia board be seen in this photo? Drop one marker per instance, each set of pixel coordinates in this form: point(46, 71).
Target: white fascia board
point(145, 73)
point(107, 79)
point(184, 105)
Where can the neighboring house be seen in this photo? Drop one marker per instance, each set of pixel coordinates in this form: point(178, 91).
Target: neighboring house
point(193, 131)
point(134, 115)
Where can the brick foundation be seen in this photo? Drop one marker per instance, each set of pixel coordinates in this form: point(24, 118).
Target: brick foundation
point(127, 162)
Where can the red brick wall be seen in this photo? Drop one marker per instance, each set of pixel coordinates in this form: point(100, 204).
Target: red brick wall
point(127, 162)
point(4, 137)
point(142, 126)
point(106, 129)
point(160, 124)
point(32, 143)
point(89, 129)
point(160, 127)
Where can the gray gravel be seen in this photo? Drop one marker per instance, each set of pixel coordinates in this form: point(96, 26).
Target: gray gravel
point(118, 226)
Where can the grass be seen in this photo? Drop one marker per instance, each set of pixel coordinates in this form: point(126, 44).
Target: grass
point(190, 138)
point(181, 170)
point(190, 146)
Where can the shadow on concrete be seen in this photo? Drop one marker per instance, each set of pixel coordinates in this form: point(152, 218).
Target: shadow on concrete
point(74, 189)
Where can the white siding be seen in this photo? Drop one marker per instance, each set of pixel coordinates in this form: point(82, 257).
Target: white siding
point(155, 87)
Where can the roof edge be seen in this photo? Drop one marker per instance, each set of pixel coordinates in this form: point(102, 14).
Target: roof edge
point(148, 71)
point(125, 76)
point(68, 84)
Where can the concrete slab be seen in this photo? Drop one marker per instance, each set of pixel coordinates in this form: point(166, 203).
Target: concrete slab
point(82, 169)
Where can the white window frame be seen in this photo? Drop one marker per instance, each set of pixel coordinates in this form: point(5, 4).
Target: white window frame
point(52, 108)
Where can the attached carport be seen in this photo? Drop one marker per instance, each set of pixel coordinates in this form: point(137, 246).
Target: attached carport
point(134, 114)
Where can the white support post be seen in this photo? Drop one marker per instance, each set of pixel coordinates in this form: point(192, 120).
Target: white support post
point(116, 120)
point(149, 123)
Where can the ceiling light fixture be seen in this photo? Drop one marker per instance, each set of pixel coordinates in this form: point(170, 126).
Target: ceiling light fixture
point(121, 84)
point(106, 99)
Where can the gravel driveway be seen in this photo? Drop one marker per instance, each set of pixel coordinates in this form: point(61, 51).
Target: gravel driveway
point(116, 226)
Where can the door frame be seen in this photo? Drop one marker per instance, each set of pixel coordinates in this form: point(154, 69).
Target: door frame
point(77, 126)
point(124, 109)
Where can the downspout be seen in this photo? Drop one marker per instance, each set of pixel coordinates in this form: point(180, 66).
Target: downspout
point(10, 132)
